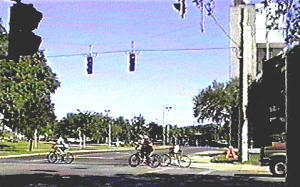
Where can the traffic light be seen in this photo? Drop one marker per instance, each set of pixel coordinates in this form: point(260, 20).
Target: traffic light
point(24, 18)
point(89, 65)
point(132, 62)
point(180, 7)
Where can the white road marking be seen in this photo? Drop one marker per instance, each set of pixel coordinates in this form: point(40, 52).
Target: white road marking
point(205, 172)
point(96, 157)
point(158, 170)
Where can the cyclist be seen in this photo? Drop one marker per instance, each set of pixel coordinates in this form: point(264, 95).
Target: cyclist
point(61, 145)
point(146, 147)
point(175, 149)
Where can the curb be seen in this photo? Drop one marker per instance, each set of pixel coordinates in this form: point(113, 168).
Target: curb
point(231, 167)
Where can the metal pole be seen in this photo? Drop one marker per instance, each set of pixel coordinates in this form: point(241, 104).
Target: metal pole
point(109, 129)
point(163, 126)
point(109, 134)
point(165, 132)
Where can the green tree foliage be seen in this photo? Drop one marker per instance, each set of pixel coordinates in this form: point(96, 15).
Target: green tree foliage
point(25, 90)
point(216, 102)
point(155, 131)
point(219, 103)
point(138, 127)
point(125, 128)
point(287, 11)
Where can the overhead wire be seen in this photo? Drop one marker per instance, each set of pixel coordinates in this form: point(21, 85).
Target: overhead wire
point(223, 30)
point(141, 50)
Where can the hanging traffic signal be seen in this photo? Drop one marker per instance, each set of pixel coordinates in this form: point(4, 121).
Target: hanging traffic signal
point(89, 65)
point(180, 7)
point(132, 58)
point(24, 18)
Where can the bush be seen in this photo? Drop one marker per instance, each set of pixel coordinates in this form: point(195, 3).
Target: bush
point(221, 159)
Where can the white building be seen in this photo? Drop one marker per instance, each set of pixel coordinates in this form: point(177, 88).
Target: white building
point(256, 39)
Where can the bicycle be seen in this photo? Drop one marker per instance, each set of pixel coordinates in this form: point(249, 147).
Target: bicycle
point(182, 160)
point(153, 160)
point(53, 155)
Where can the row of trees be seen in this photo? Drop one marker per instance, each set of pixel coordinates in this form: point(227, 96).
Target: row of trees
point(95, 127)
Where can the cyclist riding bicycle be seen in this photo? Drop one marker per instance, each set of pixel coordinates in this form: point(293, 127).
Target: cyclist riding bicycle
point(175, 149)
point(146, 147)
point(61, 145)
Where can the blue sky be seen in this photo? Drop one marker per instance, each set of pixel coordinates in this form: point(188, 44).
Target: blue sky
point(161, 78)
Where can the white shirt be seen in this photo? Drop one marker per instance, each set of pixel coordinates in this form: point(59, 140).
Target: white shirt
point(176, 149)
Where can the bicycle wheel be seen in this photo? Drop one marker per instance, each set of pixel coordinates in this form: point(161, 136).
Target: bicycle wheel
point(134, 160)
point(184, 161)
point(154, 161)
point(165, 160)
point(52, 157)
point(68, 158)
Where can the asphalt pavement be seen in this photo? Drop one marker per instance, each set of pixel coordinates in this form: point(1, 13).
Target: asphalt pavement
point(109, 167)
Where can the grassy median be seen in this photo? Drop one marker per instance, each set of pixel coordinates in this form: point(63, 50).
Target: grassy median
point(22, 147)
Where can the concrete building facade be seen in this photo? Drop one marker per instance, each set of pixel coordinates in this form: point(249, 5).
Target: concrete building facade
point(258, 43)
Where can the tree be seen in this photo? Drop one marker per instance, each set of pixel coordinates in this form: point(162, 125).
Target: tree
point(287, 13)
point(155, 131)
point(125, 126)
point(77, 125)
point(137, 127)
point(98, 129)
point(217, 103)
point(25, 90)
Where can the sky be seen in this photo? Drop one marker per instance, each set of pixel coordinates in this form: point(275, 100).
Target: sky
point(162, 78)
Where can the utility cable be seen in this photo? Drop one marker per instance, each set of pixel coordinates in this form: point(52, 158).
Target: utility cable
point(223, 30)
point(140, 50)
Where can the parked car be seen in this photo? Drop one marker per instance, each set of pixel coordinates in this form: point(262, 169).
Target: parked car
point(275, 157)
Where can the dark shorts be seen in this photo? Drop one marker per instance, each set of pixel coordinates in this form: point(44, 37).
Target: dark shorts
point(146, 150)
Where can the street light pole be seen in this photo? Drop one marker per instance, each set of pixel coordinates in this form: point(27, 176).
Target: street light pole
point(168, 108)
point(109, 129)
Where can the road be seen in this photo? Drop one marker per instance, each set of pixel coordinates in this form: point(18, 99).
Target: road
point(112, 169)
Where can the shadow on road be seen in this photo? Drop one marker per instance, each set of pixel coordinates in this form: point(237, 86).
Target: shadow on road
point(144, 180)
point(254, 175)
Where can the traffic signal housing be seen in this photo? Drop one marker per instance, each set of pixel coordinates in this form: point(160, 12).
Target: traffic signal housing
point(89, 65)
point(132, 60)
point(180, 7)
point(24, 18)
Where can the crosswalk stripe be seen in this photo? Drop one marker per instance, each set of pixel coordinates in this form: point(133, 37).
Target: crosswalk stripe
point(95, 157)
point(205, 172)
point(158, 170)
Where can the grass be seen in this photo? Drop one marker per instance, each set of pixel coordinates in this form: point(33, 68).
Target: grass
point(253, 159)
point(22, 147)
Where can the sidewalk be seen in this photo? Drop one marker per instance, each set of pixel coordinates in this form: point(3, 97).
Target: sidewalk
point(203, 160)
point(247, 168)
